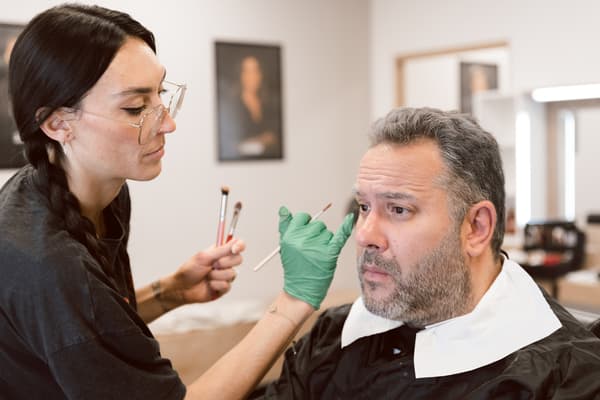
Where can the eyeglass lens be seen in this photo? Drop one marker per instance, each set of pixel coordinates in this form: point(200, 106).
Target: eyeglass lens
point(171, 97)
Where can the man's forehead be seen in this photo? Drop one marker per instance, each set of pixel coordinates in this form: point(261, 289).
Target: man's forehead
point(392, 159)
point(393, 150)
point(397, 171)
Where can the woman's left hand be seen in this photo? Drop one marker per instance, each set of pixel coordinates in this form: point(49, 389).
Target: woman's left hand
point(208, 274)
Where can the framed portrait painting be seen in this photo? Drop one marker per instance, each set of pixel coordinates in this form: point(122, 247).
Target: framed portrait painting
point(249, 101)
point(11, 147)
point(475, 78)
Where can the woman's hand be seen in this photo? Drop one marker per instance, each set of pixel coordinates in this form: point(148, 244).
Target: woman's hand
point(208, 274)
point(309, 253)
point(204, 277)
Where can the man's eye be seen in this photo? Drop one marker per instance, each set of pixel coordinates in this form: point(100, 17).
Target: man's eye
point(399, 210)
point(363, 207)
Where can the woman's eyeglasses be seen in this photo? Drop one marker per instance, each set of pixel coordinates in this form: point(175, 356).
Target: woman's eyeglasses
point(172, 95)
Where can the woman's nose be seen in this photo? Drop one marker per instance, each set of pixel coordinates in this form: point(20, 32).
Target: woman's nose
point(167, 125)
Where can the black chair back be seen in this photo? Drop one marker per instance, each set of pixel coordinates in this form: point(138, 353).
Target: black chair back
point(595, 327)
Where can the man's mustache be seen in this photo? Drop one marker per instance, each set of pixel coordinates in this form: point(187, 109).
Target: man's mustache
point(371, 257)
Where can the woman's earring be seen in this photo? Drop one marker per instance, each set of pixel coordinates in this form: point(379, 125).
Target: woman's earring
point(66, 139)
point(65, 142)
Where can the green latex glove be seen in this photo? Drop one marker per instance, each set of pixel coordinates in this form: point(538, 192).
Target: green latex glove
point(309, 254)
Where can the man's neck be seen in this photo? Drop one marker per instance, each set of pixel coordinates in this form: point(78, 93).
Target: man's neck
point(484, 270)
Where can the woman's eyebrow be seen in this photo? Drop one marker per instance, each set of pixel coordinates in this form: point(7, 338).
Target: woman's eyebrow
point(134, 90)
point(140, 89)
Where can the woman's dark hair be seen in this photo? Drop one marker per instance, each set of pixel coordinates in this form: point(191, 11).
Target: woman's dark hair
point(56, 60)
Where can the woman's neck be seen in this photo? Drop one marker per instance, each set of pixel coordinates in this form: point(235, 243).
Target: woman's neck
point(94, 196)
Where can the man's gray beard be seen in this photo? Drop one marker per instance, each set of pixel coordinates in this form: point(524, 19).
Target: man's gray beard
point(436, 288)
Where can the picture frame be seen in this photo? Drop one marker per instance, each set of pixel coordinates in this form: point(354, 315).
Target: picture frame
point(249, 101)
point(11, 147)
point(475, 78)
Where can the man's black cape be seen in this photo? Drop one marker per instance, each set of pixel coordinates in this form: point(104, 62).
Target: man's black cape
point(564, 365)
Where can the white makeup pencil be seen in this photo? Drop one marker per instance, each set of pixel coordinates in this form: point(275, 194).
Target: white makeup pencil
point(236, 214)
point(222, 213)
point(274, 252)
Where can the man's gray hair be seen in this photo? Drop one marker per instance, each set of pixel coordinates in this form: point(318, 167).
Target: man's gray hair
point(470, 154)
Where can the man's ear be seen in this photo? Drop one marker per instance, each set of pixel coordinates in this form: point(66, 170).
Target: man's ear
point(480, 224)
point(56, 126)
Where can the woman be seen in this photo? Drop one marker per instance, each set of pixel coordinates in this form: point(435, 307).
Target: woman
point(86, 88)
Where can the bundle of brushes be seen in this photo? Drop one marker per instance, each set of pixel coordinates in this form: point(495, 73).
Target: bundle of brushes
point(221, 239)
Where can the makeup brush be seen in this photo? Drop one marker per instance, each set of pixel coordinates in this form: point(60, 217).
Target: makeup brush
point(274, 252)
point(223, 211)
point(236, 214)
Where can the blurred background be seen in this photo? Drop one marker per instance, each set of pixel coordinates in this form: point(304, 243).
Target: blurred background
point(345, 63)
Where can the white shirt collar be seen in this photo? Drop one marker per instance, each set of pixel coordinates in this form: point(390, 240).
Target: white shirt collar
point(511, 315)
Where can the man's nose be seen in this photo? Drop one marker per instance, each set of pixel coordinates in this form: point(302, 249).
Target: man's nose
point(370, 232)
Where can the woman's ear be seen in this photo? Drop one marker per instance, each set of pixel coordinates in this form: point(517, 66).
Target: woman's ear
point(481, 222)
point(56, 126)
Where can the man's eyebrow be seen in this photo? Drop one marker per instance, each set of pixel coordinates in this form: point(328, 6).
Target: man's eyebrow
point(388, 195)
point(396, 196)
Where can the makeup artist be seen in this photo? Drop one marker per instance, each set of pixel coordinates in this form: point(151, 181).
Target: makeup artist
point(93, 107)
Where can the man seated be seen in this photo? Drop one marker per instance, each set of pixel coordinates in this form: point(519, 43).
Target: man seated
point(443, 313)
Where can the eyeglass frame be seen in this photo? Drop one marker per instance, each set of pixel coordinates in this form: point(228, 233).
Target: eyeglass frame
point(182, 88)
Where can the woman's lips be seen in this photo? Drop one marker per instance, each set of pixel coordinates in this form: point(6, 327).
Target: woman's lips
point(158, 153)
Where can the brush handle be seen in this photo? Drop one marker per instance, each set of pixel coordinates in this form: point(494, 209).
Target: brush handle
point(234, 220)
point(267, 258)
point(222, 213)
point(220, 233)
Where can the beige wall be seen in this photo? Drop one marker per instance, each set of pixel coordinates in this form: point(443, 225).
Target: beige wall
point(326, 102)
